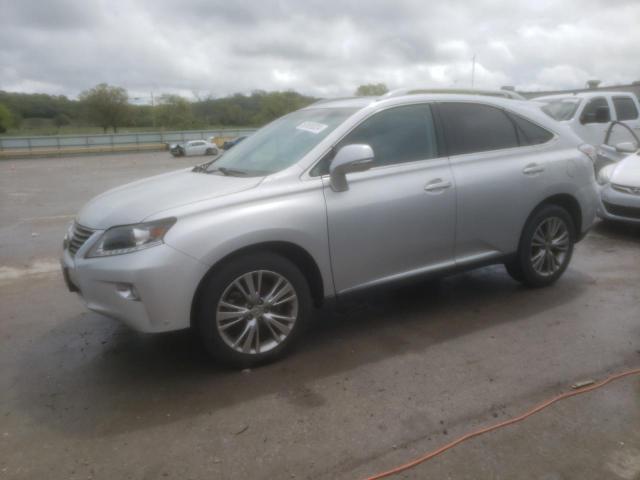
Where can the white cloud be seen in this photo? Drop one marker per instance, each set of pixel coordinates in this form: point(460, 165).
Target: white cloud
point(319, 47)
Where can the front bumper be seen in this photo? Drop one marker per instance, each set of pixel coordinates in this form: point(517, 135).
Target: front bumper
point(163, 278)
point(618, 206)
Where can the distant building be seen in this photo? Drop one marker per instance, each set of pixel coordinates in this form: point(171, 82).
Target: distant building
point(633, 87)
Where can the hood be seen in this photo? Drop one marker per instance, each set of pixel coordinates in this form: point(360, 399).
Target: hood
point(134, 202)
point(627, 172)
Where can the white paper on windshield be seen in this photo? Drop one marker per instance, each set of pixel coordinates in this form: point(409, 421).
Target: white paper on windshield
point(313, 127)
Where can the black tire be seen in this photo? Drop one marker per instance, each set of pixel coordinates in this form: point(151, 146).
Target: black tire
point(210, 151)
point(216, 285)
point(521, 267)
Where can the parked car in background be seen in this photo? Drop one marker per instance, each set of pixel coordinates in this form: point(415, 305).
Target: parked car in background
point(193, 147)
point(590, 114)
point(337, 198)
point(230, 143)
point(620, 190)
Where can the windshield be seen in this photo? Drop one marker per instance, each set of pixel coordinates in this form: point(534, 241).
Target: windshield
point(281, 143)
point(560, 108)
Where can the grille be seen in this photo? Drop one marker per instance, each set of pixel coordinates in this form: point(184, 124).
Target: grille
point(621, 211)
point(79, 235)
point(625, 189)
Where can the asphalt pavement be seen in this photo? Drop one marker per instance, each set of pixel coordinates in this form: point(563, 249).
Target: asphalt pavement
point(369, 387)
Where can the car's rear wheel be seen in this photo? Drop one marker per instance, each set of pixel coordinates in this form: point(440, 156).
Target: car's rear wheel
point(545, 249)
point(253, 309)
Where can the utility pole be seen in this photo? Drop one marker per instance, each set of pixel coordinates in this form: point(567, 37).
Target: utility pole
point(473, 70)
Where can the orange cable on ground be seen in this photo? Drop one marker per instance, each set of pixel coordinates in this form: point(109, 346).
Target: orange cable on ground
point(511, 421)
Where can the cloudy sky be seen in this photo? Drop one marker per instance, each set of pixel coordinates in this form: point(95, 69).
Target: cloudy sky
point(318, 47)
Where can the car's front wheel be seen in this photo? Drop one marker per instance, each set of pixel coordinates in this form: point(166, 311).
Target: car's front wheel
point(545, 249)
point(252, 310)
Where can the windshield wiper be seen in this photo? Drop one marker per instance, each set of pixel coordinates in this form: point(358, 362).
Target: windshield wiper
point(229, 171)
point(202, 167)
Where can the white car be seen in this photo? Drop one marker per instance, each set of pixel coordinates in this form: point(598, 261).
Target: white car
point(590, 114)
point(193, 147)
point(620, 189)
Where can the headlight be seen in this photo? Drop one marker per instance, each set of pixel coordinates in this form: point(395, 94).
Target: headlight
point(131, 238)
point(604, 175)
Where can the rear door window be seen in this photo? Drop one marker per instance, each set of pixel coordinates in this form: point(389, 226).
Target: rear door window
point(472, 127)
point(625, 108)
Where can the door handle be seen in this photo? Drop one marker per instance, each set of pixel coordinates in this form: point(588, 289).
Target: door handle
point(437, 185)
point(532, 169)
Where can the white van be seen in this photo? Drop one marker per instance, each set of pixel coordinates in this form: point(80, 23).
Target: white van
point(590, 114)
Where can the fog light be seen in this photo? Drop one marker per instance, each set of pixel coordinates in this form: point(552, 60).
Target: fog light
point(127, 291)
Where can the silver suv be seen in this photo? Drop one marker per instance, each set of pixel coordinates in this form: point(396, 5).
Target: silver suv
point(332, 200)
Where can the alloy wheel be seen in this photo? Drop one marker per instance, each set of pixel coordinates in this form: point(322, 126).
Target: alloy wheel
point(257, 312)
point(549, 246)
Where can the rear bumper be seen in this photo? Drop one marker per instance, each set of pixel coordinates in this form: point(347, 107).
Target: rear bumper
point(618, 206)
point(163, 280)
point(588, 199)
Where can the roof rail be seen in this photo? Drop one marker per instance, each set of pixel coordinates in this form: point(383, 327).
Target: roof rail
point(462, 91)
point(325, 100)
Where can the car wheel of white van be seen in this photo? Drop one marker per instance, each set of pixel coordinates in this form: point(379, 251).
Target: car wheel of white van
point(252, 310)
point(545, 249)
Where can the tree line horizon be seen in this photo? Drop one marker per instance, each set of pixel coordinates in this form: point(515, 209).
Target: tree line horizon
point(109, 107)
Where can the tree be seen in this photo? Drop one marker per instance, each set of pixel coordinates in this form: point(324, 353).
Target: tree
point(6, 119)
point(106, 105)
point(371, 90)
point(61, 119)
point(174, 111)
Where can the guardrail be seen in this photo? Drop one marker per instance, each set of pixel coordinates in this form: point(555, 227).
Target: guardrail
point(15, 147)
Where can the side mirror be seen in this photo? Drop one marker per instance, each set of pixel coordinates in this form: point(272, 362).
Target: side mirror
point(350, 158)
point(626, 147)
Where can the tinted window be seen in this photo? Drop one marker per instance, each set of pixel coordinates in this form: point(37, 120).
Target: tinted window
point(625, 108)
point(596, 111)
point(397, 135)
point(530, 133)
point(472, 127)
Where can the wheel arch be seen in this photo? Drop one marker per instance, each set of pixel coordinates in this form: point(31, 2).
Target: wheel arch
point(566, 201)
point(291, 251)
point(570, 204)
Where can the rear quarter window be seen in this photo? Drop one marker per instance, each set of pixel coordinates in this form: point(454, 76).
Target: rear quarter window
point(529, 133)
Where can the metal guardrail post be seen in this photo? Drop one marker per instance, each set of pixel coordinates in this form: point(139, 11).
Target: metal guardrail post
point(29, 144)
point(112, 149)
point(137, 142)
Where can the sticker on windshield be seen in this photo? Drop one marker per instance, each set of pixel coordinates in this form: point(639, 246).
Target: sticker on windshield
point(313, 127)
